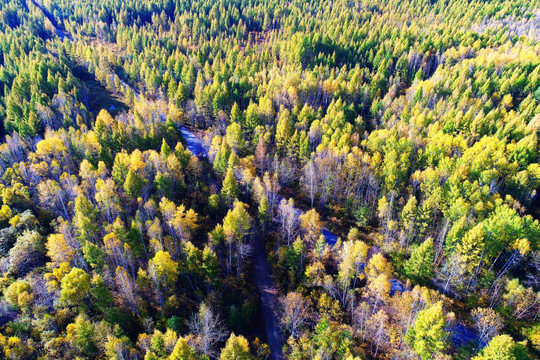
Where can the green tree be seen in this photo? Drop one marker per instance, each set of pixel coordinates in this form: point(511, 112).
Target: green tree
point(284, 130)
point(229, 189)
point(85, 219)
point(75, 287)
point(101, 294)
point(503, 347)
point(93, 255)
point(133, 184)
point(420, 265)
point(428, 334)
point(264, 212)
point(81, 334)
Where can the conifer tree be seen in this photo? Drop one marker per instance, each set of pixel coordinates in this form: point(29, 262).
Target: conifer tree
point(229, 189)
point(420, 266)
point(133, 184)
point(428, 334)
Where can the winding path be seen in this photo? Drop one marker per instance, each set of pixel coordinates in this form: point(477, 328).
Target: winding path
point(263, 273)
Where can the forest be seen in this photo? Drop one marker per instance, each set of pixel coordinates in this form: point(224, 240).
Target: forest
point(269, 179)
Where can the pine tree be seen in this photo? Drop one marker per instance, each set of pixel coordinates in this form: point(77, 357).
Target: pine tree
point(85, 219)
point(428, 334)
point(264, 212)
point(165, 149)
point(408, 218)
point(133, 184)
point(229, 189)
point(284, 130)
point(471, 247)
point(420, 266)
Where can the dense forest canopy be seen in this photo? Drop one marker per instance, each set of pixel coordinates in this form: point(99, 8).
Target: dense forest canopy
point(248, 179)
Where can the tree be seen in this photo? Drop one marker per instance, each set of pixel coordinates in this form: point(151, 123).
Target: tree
point(184, 223)
point(420, 266)
point(311, 225)
point(353, 257)
point(236, 227)
point(19, 294)
point(126, 288)
point(503, 347)
point(81, 333)
point(284, 130)
point(408, 218)
point(133, 184)
point(295, 313)
point(93, 255)
point(28, 253)
point(379, 265)
point(236, 348)
point(59, 250)
point(85, 219)
point(163, 269)
point(525, 302)
point(288, 218)
point(260, 154)
point(377, 326)
point(488, 323)
point(183, 351)
point(310, 180)
point(264, 212)
point(107, 198)
point(471, 247)
point(208, 330)
point(428, 335)
point(75, 287)
point(234, 137)
point(229, 189)
point(101, 293)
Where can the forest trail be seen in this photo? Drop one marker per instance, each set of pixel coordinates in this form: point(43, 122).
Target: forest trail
point(263, 273)
point(268, 297)
point(61, 34)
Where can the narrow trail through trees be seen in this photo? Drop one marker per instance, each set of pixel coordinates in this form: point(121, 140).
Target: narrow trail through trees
point(268, 294)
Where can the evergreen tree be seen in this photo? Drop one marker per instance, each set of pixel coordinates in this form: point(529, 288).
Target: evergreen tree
point(428, 334)
point(133, 184)
point(229, 190)
point(420, 266)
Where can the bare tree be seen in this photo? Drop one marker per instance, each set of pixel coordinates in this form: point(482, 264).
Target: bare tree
point(260, 155)
point(488, 323)
point(533, 278)
point(295, 313)
point(377, 326)
point(310, 180)
point(288, 219)
point(208, 330)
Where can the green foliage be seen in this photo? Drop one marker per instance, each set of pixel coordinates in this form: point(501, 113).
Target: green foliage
point(75, 287)
point(428, 334)
point(503, 347)
point(420, 265)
